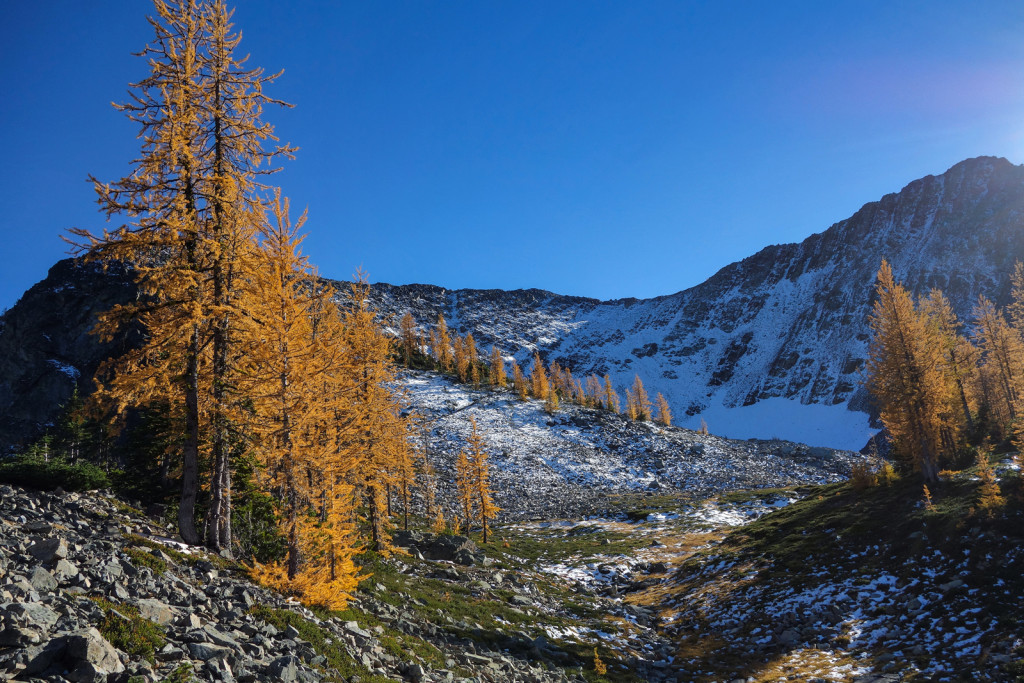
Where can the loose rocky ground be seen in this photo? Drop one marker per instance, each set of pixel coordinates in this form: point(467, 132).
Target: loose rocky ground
point(815, 583)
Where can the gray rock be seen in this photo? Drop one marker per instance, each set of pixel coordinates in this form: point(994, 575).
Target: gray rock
point(208, 651)
point(42, 580)
point(155, 611)
point(85, 654)
point(221, 638)
point(284, 669)
point(49, 550)
point(31, 613)
point(18, 636)
point(64, 571)
point(90, 651)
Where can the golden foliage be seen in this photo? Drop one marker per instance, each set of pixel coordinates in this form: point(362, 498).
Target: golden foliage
point(664, 415)
point(638, 405)
point(909, 377)
point(539, 386)
point(518, 381)
point(989, 495)
point(480, 481)
point(861, 476)
point(611, 398)
point(497, 368)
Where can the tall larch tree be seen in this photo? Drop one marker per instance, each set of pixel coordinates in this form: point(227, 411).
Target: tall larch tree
point(407, 335)
point(480, 480)
point(464, 489)
point(379, 432)
point(664, 415)
point(539, 386)
point(189, 200)
point(519, 383)
point(443, 345)
point(497, 368)
point(1002, 359)
point(906, 376)
point(611, 397)
point(461, 358)
point(959, 359)
point(642, 402)
point(293, 346)
point(236, 138)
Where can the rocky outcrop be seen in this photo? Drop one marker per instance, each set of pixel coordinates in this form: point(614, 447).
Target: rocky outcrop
point(46, 349)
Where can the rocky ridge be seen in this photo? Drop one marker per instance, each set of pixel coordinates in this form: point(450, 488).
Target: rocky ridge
point(774, 342)
point(789, 322)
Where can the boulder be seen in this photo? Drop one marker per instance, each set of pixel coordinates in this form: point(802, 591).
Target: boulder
point(208, 651)
point(42, 580)
point(284, 669)
point(155, 611)
point(49, 550)
point(84, 654)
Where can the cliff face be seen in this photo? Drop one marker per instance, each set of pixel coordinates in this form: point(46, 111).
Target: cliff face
point(46, 348)
point(769, 346)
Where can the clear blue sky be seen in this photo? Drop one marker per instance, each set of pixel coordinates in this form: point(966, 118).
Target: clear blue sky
point(606, 149)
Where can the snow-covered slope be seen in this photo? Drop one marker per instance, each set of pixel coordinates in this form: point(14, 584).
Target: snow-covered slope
point(562, 464)
point(773, 345)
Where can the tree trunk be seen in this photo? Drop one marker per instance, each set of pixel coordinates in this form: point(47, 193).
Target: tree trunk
point(190, 469)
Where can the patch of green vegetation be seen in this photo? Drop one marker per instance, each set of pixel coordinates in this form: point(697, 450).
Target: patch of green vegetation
point(343, 666)
point(486, 616)
point(36, 472)
point(140, 558)
point(555, 545)
point(183, 674)
point(173, 553)
point(752, 495)
point(840, 531)
point(127, 631)
point(190, 559)
point(394, 641)
point(124, 508)
point(638, 507)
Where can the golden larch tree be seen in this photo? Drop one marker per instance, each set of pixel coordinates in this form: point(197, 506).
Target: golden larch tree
point(497, 368)
point(519, 383)
point(464, 489)
point(907, 377)
point(664, 415)
point(1002, 360)
point(611, 397)
point(538, 379)
point(442, 346)
point(293, 349)
point(407, 335)
point(480, 480)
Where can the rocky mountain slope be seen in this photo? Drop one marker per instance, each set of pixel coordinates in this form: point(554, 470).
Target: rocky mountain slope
point(771, 346)
point(567, 463)
point(786, 323)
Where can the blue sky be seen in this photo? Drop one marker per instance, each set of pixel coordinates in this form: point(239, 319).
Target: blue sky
point(605, 149)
